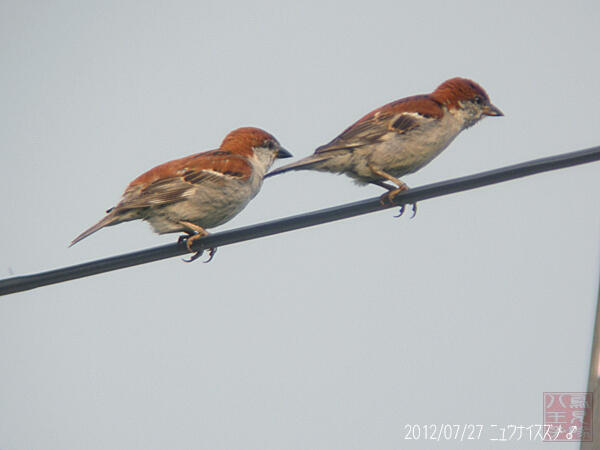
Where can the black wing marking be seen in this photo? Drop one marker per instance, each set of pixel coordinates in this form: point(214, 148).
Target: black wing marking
point(404, 123)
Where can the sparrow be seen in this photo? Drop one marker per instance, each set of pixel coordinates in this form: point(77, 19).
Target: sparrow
point(400, 137)
point(199, 191)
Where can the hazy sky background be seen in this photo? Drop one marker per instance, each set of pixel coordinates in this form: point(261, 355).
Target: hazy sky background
point(333, 337)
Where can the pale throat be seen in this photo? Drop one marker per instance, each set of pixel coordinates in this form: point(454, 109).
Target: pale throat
point(263, 159)
point(466, 116)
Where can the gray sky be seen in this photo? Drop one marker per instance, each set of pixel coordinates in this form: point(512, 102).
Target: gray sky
point(333, 337)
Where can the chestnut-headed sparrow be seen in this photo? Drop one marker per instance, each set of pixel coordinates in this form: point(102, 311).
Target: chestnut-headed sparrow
point(400, 137)
point(198, 191)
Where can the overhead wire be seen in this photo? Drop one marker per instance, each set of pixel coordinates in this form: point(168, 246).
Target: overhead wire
point(27, 282)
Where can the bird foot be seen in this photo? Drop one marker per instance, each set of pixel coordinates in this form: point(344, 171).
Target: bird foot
point(195, 256)
point(388, 199)
point(189, 240)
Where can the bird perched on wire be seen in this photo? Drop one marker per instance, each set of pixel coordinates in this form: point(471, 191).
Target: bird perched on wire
point(400, 137)
point(198, 191)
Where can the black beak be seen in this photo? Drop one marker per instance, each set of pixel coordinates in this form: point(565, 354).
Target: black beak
point(491, 110)
point(283, 153)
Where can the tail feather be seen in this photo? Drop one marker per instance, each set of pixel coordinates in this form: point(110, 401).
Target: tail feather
point(109, 219)
point(303, 164)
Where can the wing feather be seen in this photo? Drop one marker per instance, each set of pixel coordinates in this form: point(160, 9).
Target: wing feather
point(169, 182)
point(400, 116)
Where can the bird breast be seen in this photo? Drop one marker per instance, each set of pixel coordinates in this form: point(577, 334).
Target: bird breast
point(208, 205)
point(400, 154)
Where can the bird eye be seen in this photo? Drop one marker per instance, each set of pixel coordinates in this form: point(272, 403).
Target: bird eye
point(270, 145)
point(479, 100)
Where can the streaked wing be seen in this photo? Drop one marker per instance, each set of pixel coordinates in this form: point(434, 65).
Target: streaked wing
point(400, 116)
point(403, 123)
point(169, 183)
point(365, 132)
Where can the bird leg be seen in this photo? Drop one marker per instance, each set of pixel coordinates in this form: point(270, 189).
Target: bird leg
point(388, 198)
point(383, 185)
point(195, 232)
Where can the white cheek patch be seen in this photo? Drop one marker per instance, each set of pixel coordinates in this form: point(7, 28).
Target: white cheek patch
point(262, 159)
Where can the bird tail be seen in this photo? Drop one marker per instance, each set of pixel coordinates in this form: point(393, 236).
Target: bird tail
point(304, 164)
point(110, 219)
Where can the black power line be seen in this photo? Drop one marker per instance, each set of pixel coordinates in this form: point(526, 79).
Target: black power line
point(26, 282)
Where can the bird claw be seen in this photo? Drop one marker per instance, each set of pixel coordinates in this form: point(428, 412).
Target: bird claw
point(198, 254)
point(188, 241)
point(211, 254)
point(403, 207)
point(194, 257)
point(388, 199)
